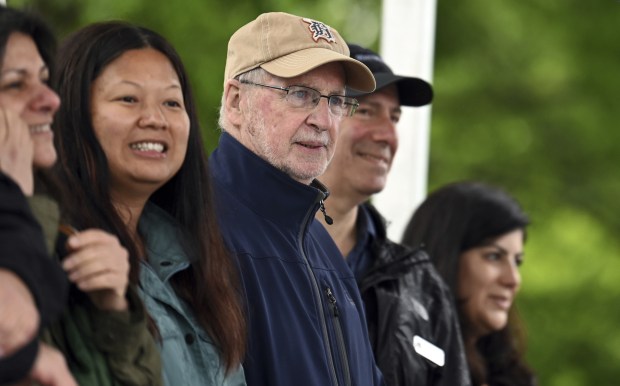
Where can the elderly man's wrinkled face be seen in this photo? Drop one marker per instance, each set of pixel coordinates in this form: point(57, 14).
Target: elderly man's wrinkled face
point(298, 141)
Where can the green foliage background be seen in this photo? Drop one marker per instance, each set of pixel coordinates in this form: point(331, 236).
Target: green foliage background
point(526, 98)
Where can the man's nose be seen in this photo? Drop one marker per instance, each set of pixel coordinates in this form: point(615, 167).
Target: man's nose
point(321, 116)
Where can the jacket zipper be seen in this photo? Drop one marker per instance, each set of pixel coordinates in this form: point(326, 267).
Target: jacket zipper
point(317, 292)
point(339, 337)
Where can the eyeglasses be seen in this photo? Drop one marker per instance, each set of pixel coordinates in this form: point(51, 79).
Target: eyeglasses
point(309, 98)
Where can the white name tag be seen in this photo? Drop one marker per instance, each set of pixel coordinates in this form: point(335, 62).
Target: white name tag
point(429, 351)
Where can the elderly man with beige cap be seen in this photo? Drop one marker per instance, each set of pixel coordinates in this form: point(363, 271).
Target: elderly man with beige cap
point(284, 96)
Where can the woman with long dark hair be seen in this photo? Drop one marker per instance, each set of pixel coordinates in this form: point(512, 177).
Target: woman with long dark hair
point(474, 234)
point(131, 154)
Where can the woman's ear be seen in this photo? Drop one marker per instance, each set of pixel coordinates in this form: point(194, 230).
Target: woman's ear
point(232, 102)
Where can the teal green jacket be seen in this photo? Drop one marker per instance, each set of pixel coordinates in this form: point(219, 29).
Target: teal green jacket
point(189, 355)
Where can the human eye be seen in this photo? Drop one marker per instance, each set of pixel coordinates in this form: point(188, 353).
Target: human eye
point(300, 94)
point(11, 82)
point(493, 255)
point(44, 77)
point(127, 99)
point(395, 118)
point(337, 101)
point(173, 103)
point(519, 260)
point(12, 85)
point(364, 111)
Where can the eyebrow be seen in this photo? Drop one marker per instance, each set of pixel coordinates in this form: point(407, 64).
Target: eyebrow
point(339, 93)
point(23, 71)
point(174, 85)
point(502, 250)
point(377, 105)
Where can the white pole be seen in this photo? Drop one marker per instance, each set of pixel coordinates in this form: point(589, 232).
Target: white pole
point(407, 46)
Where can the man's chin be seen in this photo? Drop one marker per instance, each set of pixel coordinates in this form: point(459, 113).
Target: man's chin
point(304, 175)
point(372, 187)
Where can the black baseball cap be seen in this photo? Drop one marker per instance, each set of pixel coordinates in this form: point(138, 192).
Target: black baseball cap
point(411, 91)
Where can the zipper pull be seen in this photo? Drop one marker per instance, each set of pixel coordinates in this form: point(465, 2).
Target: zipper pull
point(328, 219)
point(332, 300)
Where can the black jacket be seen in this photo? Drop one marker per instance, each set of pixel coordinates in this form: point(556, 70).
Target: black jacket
point(23, 251)
point(405, 297)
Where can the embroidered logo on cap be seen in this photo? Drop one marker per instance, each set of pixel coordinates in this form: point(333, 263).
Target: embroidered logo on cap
point(319, 30)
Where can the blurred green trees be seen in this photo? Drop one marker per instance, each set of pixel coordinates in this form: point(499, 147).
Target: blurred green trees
point(526, 98)
point(200, 29)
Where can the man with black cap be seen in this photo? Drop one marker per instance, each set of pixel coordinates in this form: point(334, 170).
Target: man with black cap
point(411, 319)
point(284, 95)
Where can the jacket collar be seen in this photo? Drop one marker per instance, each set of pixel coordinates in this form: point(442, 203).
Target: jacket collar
point(268, 191)
point(163, 239)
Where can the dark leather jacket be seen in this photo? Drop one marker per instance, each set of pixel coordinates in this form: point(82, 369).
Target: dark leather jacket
point(405, 298)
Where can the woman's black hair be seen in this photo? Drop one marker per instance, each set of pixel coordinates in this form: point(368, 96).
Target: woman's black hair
point(14, 20)
point(211, 287)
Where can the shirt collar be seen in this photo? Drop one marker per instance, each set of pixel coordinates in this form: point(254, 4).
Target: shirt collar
point(360, 257)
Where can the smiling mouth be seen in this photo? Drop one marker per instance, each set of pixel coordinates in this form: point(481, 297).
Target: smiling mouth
point(149, 146)
point(311, 145)
point(37, 129)
point(374, 158)
point(503, 302)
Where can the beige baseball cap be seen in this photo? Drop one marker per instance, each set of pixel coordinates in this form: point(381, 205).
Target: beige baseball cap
point(286, 46)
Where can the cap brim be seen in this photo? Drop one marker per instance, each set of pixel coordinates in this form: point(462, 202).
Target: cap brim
point(411, 91)
point(297, 63)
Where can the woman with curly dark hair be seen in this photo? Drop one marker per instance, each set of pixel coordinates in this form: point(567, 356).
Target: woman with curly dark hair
point(474, 234)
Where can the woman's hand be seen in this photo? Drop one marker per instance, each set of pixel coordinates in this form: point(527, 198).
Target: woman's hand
point(50, 368)
point(19, 318)
point(16, 150)
point(99, 265)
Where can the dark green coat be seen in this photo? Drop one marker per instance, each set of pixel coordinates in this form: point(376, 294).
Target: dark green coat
point(102, 348)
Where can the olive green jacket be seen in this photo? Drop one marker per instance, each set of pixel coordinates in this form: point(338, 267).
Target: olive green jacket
point(101, 348)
